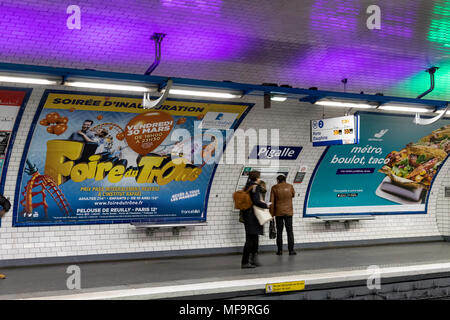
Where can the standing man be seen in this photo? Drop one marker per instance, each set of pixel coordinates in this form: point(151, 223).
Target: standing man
point(84, 135)
point(282, 209)
point(5, 205)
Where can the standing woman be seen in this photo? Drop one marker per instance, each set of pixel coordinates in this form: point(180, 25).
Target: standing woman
point(252, 227)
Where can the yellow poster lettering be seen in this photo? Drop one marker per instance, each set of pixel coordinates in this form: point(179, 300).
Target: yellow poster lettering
point(184, 175)
point(58, 167)
point(102, 167)
point(79, 172)
point(57, 152)
point(147, 164)
point(116, 174)
point(163, 179)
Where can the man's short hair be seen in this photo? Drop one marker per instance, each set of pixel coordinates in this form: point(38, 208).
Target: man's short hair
point(281, 178)
point(88, 121)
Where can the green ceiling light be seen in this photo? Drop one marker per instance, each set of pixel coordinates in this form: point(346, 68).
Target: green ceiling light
point(439, 31)
point(419, 82)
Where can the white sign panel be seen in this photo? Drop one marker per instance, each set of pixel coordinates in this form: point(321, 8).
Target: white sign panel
point(340, 130)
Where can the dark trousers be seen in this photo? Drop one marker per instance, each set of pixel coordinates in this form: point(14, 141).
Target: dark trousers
point(250, 247)
point(286, 221)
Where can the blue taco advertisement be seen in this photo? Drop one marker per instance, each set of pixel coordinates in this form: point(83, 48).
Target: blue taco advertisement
point(93, 158)
point(390, 171)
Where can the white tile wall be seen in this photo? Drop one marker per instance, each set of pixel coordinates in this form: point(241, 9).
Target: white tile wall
point(223, 229)
point(440, 202)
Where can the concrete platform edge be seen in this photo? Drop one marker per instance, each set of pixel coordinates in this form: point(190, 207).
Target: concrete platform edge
point(207, 251)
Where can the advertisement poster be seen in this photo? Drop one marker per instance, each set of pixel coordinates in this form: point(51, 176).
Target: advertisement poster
point(390, 171)
point(12, 105)
point(97, 158)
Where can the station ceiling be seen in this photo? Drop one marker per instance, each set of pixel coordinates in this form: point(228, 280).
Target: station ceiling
point(302, 43)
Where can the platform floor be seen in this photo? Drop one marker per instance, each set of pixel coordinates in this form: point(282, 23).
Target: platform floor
point(196, 276)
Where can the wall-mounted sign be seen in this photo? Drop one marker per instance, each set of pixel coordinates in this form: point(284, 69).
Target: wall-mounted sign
point(447, 192)
point(98, 158)
point(340, 130)
point(300, 175)
point(268, 175)
point(391, 171)
point(285, 286)
point(12, 105)
point(275, 152)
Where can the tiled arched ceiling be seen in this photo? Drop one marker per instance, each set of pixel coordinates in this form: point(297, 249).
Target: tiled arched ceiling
point(302, 43)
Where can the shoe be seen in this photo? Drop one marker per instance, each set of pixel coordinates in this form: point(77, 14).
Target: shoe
point(254, 260)
point(292, 253)
point(2, 276)
point(247, 266)
point(279, 253)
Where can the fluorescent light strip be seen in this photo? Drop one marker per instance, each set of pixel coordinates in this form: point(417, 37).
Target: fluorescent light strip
point(27, 80)
point(207, 94)
point(404, 108)
point(342, 104)
point(407, 107)
point(107, 86)
point(278, 98)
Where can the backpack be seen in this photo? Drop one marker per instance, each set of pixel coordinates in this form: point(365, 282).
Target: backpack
point(242, 200)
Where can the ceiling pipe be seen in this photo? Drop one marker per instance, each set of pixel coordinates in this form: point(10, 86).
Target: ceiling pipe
point(431, 71)
point(424, 122)
point(148, 103)
point(158, 38)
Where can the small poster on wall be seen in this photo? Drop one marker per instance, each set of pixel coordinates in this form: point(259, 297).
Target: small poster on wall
point(268, 175)
point(12, 105)
point(300, 175)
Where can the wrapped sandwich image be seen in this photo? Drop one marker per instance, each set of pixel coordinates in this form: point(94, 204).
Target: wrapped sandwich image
point(412, 169)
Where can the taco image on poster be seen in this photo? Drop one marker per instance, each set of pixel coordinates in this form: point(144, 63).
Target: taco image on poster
point(414, 167)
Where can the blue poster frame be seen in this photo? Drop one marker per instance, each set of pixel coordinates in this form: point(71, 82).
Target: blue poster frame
point(311, 180)
point(15, 129)
point(155, 222)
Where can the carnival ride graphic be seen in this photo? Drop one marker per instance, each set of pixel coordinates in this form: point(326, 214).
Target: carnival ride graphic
point(40, 184)
point(110, 127)
point(193, 150)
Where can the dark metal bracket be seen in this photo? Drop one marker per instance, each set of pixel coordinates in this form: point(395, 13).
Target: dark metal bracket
point(158, 38)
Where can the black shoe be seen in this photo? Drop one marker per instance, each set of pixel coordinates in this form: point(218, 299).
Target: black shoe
point(248, 266)
point(254, 260)
point(279, 253)
point(292, 253)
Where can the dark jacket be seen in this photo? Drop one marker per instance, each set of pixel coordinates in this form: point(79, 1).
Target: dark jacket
point(281, 196)
point(5, 203)
point(251, 223)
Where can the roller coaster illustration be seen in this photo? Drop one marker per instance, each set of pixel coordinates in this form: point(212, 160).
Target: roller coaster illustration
point(110, 127)
point(41, 184)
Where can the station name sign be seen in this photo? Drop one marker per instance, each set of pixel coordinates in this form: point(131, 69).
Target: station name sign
point(331, 131)
point(275, 152)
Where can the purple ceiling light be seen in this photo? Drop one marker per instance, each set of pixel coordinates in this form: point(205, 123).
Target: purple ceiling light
point(326, 67)
point(211, 7)
point(331, 15)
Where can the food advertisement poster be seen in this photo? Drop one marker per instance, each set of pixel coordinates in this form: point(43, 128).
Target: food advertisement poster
point(101, 158)
point(12, 105)
point(390, 171)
